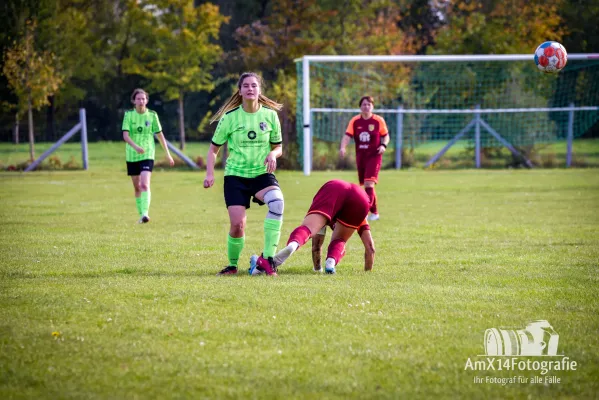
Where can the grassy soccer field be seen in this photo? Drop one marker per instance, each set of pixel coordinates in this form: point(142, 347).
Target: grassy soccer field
point(93, 305)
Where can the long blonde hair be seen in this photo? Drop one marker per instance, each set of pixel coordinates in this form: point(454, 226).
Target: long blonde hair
point(235, 100)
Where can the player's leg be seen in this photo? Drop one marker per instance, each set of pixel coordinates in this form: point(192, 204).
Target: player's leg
point(317, 242)
point(371, 192)
point(372, 168)
point(145, 195)
point(236, 236)
point(137, 193)
point(310, 226)
point(268, 192)
point(272, 197)
point(336, 250)
point(237, 200)
point(133, 170)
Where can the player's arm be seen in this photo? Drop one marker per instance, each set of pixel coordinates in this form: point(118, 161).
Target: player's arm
point(368, 243)
point(384, 136)
point(276, 151)
point(131, 143)
point(317, 241)
point(210, 161)
point(162, 141)
point(385, 140)
point(343, 146)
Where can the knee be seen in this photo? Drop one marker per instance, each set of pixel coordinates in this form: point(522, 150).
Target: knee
point(237, 228)
point(144, 187)
point(275, 203)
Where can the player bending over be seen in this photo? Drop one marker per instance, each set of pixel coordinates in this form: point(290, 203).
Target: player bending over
point(339, 204)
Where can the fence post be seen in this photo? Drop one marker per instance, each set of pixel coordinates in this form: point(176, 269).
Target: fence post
point(83, 121)
point(570, 135)
point(477, 136)
point(399, 138)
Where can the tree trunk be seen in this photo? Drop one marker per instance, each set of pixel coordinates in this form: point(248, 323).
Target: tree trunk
point(15, 131)
point(31, 139)
point(181, 121)
point(50, 126)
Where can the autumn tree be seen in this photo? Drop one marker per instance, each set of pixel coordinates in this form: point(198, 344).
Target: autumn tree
point(175, 48)
point(32, 76)
point(499, 27)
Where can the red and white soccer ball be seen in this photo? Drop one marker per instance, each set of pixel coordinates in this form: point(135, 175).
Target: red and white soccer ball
point(551, 57)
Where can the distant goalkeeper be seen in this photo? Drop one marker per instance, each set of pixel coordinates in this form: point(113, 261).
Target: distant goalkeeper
point(341, 205)
point(371, 135)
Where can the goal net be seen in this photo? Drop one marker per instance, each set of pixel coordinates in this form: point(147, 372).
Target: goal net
point(484, 101)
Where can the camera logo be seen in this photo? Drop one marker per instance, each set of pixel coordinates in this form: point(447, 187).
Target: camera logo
point(537, 339)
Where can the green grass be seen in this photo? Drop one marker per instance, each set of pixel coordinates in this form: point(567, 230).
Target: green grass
point(110, 155)
point(140, 314)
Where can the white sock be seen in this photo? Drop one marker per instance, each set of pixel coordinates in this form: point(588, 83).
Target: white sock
point(284, 254)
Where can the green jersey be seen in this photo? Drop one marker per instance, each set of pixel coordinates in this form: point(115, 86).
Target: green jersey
point(249, 136)
point(141, 128)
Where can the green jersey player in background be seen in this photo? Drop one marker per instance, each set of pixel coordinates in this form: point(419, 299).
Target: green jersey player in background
point(249, 124)
point(139, 127)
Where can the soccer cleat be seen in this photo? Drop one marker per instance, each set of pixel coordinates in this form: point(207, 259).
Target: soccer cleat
point(267, 266)
point(373, 217)
point(319, 269)
point(254, 269)
point(228, 270)
point(329, 266)
point(145, 219)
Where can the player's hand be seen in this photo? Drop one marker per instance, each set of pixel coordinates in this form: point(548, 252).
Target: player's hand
point(381, 149)
point(342, 152)
point(139, 150)
point(271, 163)
point(208, 181)
point(170, 160)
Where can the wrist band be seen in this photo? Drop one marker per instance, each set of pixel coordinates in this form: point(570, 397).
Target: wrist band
point(384, 145)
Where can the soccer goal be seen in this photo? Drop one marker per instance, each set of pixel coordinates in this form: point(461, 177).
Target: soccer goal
point(81, 126)
point(476, 101)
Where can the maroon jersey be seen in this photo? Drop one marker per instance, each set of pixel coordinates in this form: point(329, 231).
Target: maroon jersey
point(343, 202)
point(367, 133)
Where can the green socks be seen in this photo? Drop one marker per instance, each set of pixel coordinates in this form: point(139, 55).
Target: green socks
point(138, 204)
point(272, 235)
point(145, 200)
point(234, 247)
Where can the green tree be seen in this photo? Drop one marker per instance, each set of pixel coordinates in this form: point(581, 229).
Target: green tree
point(32, 76)
point(175, 48)
point(68, 29)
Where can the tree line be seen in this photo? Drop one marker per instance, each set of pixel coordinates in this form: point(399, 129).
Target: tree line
point(61, 55)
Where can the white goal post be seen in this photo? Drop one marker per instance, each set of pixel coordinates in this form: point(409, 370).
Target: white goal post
point(307, 110)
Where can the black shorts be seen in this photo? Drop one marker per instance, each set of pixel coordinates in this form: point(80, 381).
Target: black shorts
point(239, 191)
point(136, 167)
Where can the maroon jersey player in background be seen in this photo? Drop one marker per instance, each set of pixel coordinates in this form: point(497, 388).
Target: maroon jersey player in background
point(371, 136)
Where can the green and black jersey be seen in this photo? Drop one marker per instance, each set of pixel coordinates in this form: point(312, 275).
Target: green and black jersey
point(249, 136)
point(141, 128)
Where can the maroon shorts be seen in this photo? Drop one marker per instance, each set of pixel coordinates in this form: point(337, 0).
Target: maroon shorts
point(369, 167)
point(343, 202)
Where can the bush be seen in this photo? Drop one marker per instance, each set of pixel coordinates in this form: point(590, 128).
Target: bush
point(52, 163)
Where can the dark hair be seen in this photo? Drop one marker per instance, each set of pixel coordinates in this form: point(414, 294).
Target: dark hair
point(136, 92)
point(369, 98)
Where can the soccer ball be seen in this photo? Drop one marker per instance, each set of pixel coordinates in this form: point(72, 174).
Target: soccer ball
point(551, 57)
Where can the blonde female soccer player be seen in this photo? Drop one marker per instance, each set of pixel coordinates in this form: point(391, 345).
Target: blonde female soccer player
point(249, 124)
